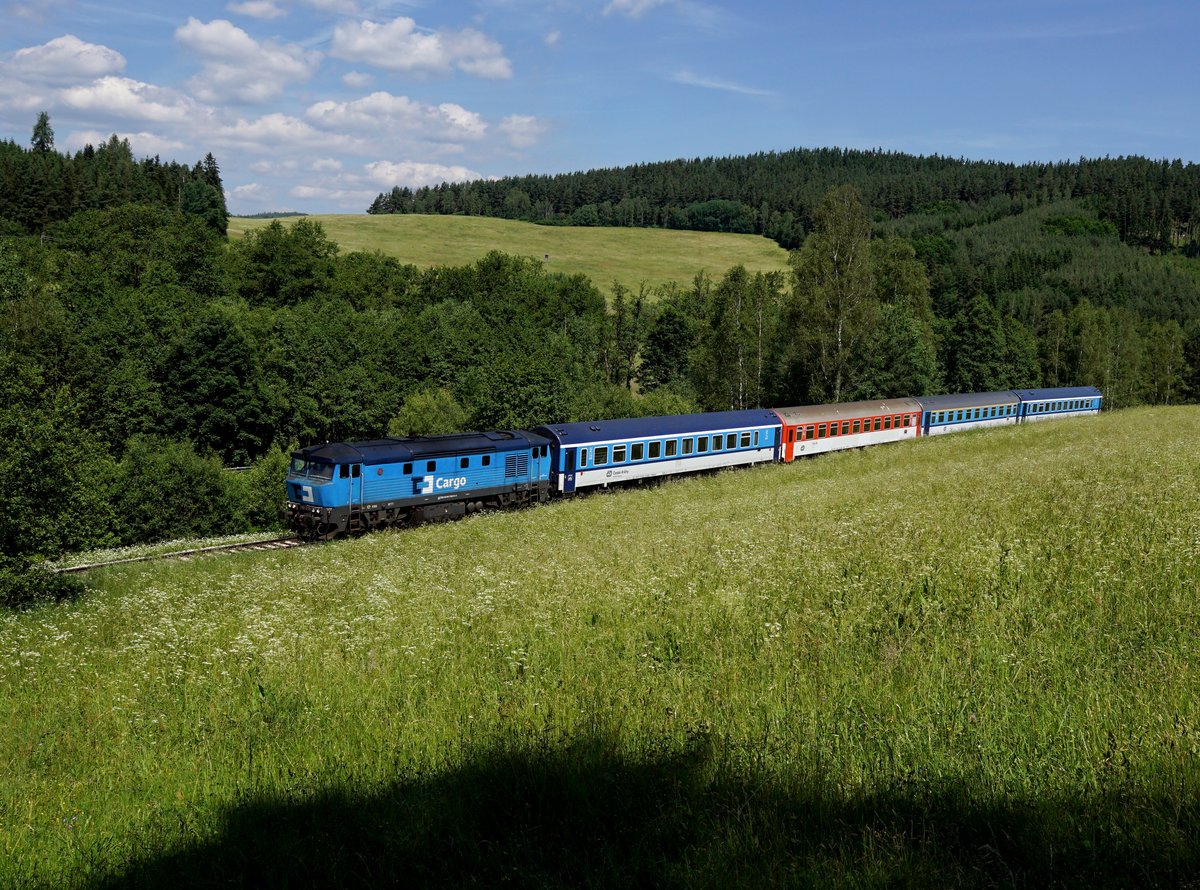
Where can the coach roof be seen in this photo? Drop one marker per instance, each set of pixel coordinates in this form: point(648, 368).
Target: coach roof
point(651, 427)
point(390, 451)
point(847, 410)
point(958, 400)
point(1062, 392)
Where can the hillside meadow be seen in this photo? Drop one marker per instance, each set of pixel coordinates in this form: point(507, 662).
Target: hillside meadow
point(966, 660)
point(605, 255)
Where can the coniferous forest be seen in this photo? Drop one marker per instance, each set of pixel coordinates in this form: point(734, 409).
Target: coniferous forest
point(142, 354)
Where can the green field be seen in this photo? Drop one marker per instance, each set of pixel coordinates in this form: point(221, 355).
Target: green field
point(967, 660)
point(605, 255)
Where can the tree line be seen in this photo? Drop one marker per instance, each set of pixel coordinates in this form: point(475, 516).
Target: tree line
point(1151, 203)
point(40, 186)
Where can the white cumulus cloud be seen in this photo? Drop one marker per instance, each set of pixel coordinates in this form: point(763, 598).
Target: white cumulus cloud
point(257, 9)
point(133, 99)
point(236, 66)
point(633, 8)
point(357, 79)
point(65, 59)
point(522, 130)
point(399, 45)
point(381, 112)
point(250, 191)
point(415, 174)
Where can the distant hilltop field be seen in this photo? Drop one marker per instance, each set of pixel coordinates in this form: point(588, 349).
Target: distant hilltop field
point(625, 255)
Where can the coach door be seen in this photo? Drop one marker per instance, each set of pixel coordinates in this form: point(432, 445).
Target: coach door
point(569, 473)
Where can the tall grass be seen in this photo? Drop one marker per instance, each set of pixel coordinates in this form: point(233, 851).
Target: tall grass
point(968, 659)
point(605, 255)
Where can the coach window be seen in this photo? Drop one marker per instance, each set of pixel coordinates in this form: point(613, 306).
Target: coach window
point(821, 431)
point(619, 452)
point(407, 470)
point(688, 445)
point(431, 466)
point(858, 426)
point(582, 458)
point(756, 438)
point(638, 451)
point(655, 450)
point(672, 447)
point(716, 443)
point(600, 456)
point(702, 444)
point(887, 422)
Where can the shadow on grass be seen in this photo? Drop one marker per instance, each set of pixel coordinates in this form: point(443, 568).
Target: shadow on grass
point(584, 817)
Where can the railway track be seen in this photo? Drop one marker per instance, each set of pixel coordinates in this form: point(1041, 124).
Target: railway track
point(184, 555)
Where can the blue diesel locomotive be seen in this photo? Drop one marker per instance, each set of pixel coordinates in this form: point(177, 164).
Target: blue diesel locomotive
point(358, 486)
point(343, 487)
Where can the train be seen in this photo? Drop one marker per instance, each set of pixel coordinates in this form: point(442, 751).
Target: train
point(340, 488)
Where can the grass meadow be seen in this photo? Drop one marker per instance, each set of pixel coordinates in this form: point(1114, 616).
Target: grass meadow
point(605, 255)
point(966, 660)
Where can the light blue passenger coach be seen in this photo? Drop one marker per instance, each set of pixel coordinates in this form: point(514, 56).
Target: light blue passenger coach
point(606, 452)
point(966, 411)
point(1054, 403)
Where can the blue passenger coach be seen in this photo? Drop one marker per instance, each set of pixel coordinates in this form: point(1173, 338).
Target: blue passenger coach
point(967, 411)
point(604, 452)
point(356, 486)
point(1066, 401)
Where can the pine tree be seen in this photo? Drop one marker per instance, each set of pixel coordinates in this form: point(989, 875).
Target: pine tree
point(43, 134)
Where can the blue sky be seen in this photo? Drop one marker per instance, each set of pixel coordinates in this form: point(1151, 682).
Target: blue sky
point(319, 105)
